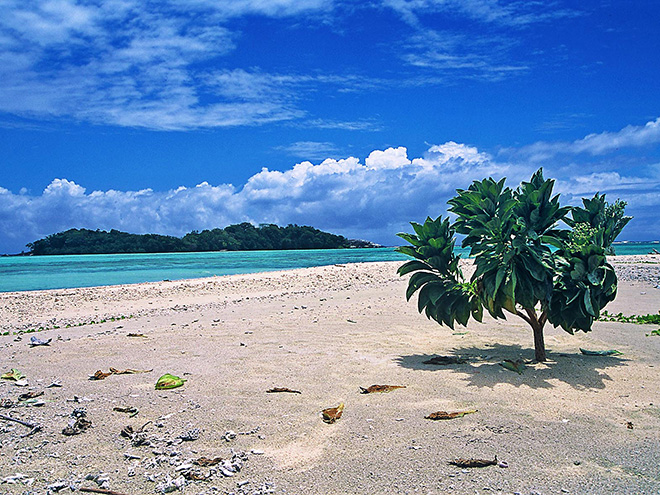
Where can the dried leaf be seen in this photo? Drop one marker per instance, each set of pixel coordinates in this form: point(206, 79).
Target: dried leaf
point(611, 352)
point(206, 462)
point(470, 463)
point(115, 371)
point(127, 431)
point(14, 374)
point(332, 414)
point(168, 381)
point(99, 375)
point(133, 411)
point(78, 427)
point(137, 335)
point(629, 425)
point(380, 389)
point(282, 389)
point(445, 360)
point(30, 395)
point(518, 366)
point(194, 475)
point(449, 415)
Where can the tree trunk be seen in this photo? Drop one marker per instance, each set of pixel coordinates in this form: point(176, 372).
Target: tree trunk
point(537, 325)
point(539, 344)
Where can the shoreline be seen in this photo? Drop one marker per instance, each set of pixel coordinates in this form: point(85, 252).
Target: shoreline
point(561, 426)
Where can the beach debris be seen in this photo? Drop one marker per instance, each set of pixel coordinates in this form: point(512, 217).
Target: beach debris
point(351, 321)
point(229, 435)
point(137, 335)
point(445, 360)
point(629, 425)
point(55, 383)
point(6, 403)
point(99, 375)
point(100, 490)
point(440, 415)
point(654, 332)
point(276, 390)
point(332, 414)
point(471, 463)
point(168, 381)
point(115, 371)
point(380, 389)
point(518, 365)
point(30, 395)
point(132, 411)
point(206, 462)
point(21, 383)
point(610, 352)
point(35, 342)
point(14, 374)
point(190, 435)
point(35, 427)
point(503, 464)
point(80, 423)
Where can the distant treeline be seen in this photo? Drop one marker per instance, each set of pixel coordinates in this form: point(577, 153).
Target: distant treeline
point(241, 237)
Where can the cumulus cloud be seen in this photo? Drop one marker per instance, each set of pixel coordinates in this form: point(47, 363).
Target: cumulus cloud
point(374, 198)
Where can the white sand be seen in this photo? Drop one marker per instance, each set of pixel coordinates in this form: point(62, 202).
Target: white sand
point(561, 425)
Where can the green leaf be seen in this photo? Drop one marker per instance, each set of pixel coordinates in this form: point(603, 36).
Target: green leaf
point(168, 381)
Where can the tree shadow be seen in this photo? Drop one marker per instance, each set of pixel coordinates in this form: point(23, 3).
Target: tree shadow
point(482, 368)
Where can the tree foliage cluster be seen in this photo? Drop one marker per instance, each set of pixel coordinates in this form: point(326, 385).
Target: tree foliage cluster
point(526, 264)
point(240, 237)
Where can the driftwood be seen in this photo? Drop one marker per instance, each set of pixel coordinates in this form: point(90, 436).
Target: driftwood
point(35, 427)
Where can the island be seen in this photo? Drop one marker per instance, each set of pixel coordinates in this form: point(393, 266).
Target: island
point(239, 237)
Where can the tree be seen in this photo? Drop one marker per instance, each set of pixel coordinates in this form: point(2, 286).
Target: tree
point(525, 264)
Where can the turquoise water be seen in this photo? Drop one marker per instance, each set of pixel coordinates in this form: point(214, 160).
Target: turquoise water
point(57, 272)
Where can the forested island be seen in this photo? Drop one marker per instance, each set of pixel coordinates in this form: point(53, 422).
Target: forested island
point(240, 237)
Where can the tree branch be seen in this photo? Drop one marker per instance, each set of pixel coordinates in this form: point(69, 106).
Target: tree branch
point(524, 317)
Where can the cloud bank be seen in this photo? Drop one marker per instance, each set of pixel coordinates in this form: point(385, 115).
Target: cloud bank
point(370, 199)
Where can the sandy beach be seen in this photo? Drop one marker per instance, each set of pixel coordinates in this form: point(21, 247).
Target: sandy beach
point(574, 424)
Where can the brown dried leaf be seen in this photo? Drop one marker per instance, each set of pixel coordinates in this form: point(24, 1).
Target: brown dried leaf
point(282, 389)
point(473, 462)
point(205, 461)
point(99, 375)
point(470, 463)
point(449, 415)
point(380, 389)
point(79, 426)
point(445, 360)
point(137, 335)
point(194, 475)
point(332, 414)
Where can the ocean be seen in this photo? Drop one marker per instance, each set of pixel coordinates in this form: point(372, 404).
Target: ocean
point(22, 273)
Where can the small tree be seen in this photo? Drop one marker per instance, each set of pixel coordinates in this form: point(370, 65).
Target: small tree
point(525, 264)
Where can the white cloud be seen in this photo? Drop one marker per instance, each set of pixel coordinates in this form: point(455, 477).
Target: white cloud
point(373, 199)
point(630, 136)
point(343, 195)
point(310, 150)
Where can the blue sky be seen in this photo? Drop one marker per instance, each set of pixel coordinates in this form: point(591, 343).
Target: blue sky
point(352, 116)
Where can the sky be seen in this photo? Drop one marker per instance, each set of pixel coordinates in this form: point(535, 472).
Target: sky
point(353, 116)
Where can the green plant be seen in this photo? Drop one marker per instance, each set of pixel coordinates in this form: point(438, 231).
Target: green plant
point(525, 264)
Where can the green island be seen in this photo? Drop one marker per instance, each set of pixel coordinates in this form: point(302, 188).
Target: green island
point(239, 237)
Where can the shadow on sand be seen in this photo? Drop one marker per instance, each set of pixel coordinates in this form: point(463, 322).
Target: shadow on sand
point(483, 370)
